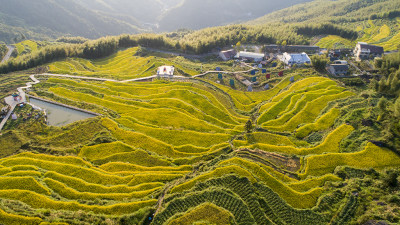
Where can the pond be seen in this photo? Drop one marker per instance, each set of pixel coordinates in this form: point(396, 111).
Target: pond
point(58, 115)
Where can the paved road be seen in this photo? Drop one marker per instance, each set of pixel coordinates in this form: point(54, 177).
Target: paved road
point(8, 55)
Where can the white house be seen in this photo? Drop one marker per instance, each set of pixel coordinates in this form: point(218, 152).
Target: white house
point(165, 71)
point(292, 59)
point(256, 57)
point(227, 55)
point(366, 51)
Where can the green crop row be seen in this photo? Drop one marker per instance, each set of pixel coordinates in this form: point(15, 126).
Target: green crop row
point(310, 183)
point(292, 197)
point(10, 219)
point(206, 212)
point(22, 173)
point(264, 205)
point(310, 112)
point(264, 138)
point(218, 172)
point(23, 183)
point(221, 198)
point(83, 186)
point(61, 159)
point(114, 167)
point(141, 141)
point(178, 137)
point(301, 103)
point(371, 157)
point(87, 174)
point(38, 201)
point(329, 145)
point(70, 193)
point(324, 122)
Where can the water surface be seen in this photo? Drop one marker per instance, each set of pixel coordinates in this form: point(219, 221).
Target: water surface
point(59, 115)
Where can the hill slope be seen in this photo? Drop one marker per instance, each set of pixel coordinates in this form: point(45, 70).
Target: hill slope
point(199, 13)
point(45, 18)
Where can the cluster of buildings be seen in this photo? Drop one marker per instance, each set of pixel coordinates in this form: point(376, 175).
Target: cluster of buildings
point(289, 59)
point(298, 55)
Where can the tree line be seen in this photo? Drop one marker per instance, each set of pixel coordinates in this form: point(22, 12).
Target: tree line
point(198, 42)
point(328, 29)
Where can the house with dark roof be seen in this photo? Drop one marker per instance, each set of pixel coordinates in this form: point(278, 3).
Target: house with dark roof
point(365, 51)
point(338, 69)
point(227, 55)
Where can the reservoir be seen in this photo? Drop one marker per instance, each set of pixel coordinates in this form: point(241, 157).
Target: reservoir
point(58, 115)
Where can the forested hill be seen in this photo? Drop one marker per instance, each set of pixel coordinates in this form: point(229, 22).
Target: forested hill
point(41, 19)
point(49, 19)
point(208, 13)
point(319, 11)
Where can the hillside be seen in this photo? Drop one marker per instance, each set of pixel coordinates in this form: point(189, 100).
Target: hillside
point(50, 19)
point(305, 158)
point(200, 14)
point(375, 21)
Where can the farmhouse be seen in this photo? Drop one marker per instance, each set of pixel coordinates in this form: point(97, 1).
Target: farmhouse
point(227, 55)
point(256, 57)
point(338, 69)
point(292, 59)
point(165, 71)
point(365, 51)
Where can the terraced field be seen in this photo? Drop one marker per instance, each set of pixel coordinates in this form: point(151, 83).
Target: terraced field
point(179, 150)
point(28, 46)
point(385, 35)
point(129, 64)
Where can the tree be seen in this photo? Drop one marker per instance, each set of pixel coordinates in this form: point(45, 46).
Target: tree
point(284, 43)
point(319, 62)
point(249, 126)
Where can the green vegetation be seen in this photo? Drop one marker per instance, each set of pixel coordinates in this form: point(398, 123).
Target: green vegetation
point(165, 138)
point(202, 151)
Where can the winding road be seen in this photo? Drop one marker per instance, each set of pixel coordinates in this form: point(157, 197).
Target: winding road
point(8, 55)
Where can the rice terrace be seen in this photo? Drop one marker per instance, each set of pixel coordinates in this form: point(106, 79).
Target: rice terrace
point(276, 122)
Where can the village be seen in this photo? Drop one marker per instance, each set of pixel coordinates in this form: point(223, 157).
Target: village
point(343, 63)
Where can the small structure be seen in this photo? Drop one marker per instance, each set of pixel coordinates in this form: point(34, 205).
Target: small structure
point(341, 62)
point(250, 88)
point(227, 55)
point(166, 71)
point(266, 87)
point(295, 59)
point(364, 51)
point(338, 69)
point(251, 56)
